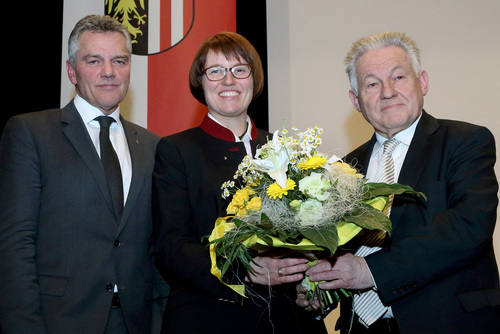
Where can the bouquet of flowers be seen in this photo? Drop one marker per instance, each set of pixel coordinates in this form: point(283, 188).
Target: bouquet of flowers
point(291, 195)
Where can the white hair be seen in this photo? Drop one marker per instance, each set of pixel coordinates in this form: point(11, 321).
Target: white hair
point(378, 41)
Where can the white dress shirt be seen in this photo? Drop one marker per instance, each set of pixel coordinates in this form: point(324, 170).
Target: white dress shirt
point(398, 155)
point(117, 137)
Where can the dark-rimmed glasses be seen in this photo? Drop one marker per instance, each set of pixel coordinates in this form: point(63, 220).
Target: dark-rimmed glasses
point(217, 73)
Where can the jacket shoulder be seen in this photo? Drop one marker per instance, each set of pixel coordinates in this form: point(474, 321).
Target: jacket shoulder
point(461, 128)
point(142, 132)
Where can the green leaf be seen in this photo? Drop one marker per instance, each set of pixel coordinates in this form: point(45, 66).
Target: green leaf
point(383, 189)
point(237, 222)
point(266, 239)
point(327, 238)
point(369, 218)
point(264, 219)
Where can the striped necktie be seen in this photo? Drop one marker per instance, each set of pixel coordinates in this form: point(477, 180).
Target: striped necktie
point(368, 305)
point(387, 168)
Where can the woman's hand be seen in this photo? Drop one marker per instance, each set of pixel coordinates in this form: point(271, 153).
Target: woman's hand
point(275, 270)
point(302, 301)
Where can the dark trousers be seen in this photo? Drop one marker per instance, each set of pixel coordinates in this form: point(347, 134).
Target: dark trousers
point(116, 321)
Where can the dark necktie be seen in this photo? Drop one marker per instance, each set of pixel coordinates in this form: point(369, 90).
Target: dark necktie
point(111, 164)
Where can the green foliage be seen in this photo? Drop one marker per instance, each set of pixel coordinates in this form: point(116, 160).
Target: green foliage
point(325, 237)
point(374, 189)
point(369, 218)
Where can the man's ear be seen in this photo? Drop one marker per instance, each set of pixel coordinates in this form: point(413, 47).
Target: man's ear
point(354, 100)
point(424, 82)
point(71, 72)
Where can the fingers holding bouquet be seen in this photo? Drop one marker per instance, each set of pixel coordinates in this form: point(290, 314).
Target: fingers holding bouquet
point(331, 278)
point(345, 271)
point(274, 270)
point(305, 301)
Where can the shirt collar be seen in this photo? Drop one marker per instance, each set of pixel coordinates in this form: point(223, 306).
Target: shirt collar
point(88, 112)
point(404, 136)
point(247, 135)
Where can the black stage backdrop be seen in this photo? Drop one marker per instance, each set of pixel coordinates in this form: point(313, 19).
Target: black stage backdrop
point(32, 57)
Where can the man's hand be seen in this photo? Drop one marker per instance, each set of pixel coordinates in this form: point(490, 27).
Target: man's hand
point(345, 271)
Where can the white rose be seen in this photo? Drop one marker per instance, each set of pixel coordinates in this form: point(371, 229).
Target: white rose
point(315, 187)
point(309, 212)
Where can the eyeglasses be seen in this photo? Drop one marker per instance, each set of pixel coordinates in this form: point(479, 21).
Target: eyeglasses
point(218, 73)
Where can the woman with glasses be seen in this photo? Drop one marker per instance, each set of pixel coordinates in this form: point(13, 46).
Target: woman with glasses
point(191, 166)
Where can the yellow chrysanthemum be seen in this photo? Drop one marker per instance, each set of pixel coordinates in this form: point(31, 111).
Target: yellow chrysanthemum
point(274, 191)
point(313, 162)
point(348, 169)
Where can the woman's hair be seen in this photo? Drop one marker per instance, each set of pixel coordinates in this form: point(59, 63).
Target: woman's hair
point(378, 41)
point(232, 46)
point(97, 23)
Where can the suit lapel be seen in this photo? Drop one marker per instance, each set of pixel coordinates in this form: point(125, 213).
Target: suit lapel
point(137, 157)
point(77, 134)
point(360, 158)
point(416, 157)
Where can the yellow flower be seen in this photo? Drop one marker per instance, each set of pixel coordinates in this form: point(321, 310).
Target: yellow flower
point(348, 169)
point(232, 209)
point(313, 162)
point(275, 190)
point(254, 205)
point(239, 202)
point(242, 212)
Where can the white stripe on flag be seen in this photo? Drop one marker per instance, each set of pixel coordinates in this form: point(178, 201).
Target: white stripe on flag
point(135, 105)
point(177, 21)
point(154, 26)
point(74, 11)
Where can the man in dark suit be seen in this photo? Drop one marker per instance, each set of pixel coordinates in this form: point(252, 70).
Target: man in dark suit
point(71, 260)
point(437, 273)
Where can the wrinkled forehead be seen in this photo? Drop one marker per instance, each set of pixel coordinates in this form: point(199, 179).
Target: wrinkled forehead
point(382, 59)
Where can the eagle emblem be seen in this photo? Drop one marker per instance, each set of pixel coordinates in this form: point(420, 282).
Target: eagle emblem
point(155, 26)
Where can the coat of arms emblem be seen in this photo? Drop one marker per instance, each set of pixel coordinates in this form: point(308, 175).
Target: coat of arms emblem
point(154, 25)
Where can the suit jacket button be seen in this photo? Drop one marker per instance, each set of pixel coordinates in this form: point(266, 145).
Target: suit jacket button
point(117, 243)
point(109, 287)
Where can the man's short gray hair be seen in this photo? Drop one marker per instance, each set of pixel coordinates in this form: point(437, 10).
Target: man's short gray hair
point(98, 23)
point(378, 41)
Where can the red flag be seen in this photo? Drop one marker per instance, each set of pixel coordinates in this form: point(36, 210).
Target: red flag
point(171, 107)
point(169, 33)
